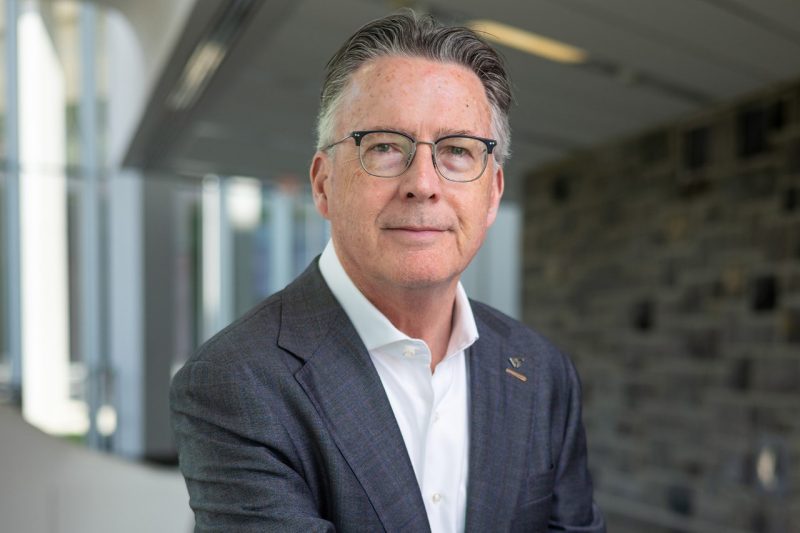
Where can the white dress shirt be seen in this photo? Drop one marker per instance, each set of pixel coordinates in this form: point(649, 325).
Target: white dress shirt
point(431, 408)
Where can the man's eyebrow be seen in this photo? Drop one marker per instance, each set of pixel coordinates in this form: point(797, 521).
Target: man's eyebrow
point(444, 132)
point(389, 128)
point(441, 132)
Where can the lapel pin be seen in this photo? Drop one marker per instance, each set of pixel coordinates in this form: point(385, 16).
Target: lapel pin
point(516, 362)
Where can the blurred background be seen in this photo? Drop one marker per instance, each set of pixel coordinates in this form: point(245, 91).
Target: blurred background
point(153, 187)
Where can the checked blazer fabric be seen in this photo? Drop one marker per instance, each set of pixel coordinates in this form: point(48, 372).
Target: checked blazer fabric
point(282, 424)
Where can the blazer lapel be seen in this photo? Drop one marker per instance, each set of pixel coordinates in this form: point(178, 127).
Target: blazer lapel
point(499, 431)
point(340, 380)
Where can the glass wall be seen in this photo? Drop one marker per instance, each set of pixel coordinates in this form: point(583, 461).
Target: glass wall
point(256, 235)
point(51, 153)
point(5, 303)
point(5, 360)
point(128, 274)
point(276, 233)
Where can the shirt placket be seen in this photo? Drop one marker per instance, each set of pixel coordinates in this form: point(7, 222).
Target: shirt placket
point(442, 457)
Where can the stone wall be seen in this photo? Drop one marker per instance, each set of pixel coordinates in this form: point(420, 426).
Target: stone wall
point(668, 266)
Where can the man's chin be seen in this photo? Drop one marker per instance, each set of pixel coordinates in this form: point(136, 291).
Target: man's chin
point(424, 279)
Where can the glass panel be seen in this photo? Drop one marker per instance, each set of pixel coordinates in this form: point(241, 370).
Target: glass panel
point(4, 79)
point(101, 85)
point(188, 262)
point(65, 33)
point(311, 232)
point(5, 362)
point(250, 223)
point(53, 202)
point(77, 371)
point(5, 370)
point(276, 233)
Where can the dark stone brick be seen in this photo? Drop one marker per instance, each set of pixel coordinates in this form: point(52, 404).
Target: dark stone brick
point(661, 454)
point(560, 189)
point(764, 293)
point(636, 394)
point(753, 125)
point(790, 198)
point(759, 523)
point(791, 325)
point(756, 184)
point(777, 375)
point(752, 133)
point(776, 115)
point(693, 468)
point(693, 186)
point(741, 374)
point(669, 274)
point(793, 158)
point(780, 243)
point(696, 145)
point(625, 428)
point(680, 500)
point(643, 315)
point(654, 147)
point(693, 299)
point(702, 344)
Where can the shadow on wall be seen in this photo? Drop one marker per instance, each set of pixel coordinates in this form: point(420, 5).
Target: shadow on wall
point(48, 485)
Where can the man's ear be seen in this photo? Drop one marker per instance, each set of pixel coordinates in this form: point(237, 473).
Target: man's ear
point(498, 185)
point(320, 182)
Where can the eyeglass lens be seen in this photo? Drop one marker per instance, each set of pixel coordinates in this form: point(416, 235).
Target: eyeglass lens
point(387, 155)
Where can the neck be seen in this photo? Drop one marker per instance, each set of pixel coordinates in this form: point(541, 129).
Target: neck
point(422, 313)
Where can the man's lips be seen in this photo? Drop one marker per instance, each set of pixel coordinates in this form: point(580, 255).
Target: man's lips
point(416, 228)
point(416, 235)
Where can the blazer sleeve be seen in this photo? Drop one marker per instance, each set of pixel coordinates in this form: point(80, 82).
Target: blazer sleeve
point(236, 456)
point(574, 509)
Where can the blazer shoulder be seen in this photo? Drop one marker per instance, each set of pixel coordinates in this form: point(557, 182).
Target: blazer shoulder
point(250, 331)
point(304, 308)
point(519, 337)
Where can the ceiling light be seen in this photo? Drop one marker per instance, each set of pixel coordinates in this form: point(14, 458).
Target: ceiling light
point(528, 42)
point(210, 51)
point(198, 72)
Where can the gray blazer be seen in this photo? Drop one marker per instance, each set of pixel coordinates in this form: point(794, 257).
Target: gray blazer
point(282, 424)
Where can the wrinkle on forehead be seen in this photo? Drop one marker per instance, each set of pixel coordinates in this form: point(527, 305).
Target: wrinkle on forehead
point(369, 83)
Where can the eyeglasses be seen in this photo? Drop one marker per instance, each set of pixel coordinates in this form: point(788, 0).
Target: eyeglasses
point(387, 154)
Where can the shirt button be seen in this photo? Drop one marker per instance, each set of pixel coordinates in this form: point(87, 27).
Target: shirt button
point(409, 352)
point(436, 498)
point(436, 416)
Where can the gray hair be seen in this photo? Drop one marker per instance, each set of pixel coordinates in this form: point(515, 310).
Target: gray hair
point(411, 35)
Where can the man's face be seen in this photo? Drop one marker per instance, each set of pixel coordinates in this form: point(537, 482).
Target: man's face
point(417, 230)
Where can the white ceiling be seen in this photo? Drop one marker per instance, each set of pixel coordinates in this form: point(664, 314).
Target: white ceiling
point(652, 61)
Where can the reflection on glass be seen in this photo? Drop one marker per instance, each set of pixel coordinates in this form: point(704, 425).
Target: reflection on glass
point(5, 366)
point(5, 369)
point(56, 381)
point(4, 79)
point(45, 297)
point(282, 234)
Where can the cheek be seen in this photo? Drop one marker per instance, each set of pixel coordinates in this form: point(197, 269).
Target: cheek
point(473, 211)
point(358, 201)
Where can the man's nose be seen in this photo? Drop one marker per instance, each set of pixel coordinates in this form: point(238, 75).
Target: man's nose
point(421, 180)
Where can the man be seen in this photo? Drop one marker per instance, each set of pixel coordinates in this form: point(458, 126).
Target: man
point(371, 394)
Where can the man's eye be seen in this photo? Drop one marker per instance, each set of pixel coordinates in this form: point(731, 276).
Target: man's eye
point(384, 147)
point(457, 151)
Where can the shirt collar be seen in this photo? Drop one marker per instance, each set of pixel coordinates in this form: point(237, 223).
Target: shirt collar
point(372, 326)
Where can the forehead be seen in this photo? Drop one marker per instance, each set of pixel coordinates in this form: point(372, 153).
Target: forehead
point(416, 95)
